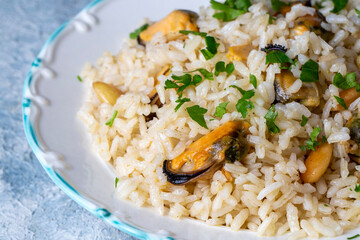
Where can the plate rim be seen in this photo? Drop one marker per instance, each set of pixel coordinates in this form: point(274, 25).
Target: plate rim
point(33, 139)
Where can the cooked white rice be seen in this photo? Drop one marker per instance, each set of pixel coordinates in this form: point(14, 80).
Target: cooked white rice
point(266, 194)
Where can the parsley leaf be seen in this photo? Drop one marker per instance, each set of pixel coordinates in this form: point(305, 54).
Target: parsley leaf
point(116, 182)
point(270, 118)
point(353, 237)
point(357, 188)
point(277, 56)
point(242, 105)
point(137, 32)
point(230, 9)
point(211, 47)
point(207, 75)
point(326, 205)
point(349, 81)
point(304, 120)
point(312, 143)
point(79, 78)
point(186, 32)
point(358, 12)
point(197, 79)
point(277, 5)
point(221, 110)
point(339, 5)
point(197, 114)
point(170, 84)
point(229, 68)
point(253, 80)
point(220, 67)
point(310, 71)
point(111, 120)
point(180, 102)
point(271, 19)
point(341, 102)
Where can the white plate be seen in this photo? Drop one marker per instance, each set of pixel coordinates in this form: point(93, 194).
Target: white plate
point(52, 96)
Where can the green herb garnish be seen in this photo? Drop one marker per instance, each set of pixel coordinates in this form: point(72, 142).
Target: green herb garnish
point(79, 78)
point(271, 19)
point(137, 32)
point(116, 182)
point(211, 48)
point(358, 12)
point(357, 188)
point(326, 205)
point(312, 143)
point(180, 102)
point(111, 120)
point(186, 81)
point(230, 9)
point(207, 75)
point(319, 4)
point(270, 118)
point(277, 5)
point(341, 102)
point(197, 114)
point(304, 120)
point(220, 67)
point(221, 109)
point(243, 103)
point(186, 32)
point(253, 80)
point(277, 56)
point(339, 5)
point(349, 81)
point(310, 71)
point(353, 237)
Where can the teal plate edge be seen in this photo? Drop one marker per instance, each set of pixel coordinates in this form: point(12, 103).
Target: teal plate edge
point(38, 150)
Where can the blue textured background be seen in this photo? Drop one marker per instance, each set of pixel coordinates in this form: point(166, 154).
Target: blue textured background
point(31, 205)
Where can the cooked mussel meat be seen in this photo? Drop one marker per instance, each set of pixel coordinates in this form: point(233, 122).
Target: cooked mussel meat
point(171, 25)
point(308, 94)
point(208, 154)
point(349, 96)
point(353, 146)
point(106, 93)
point(239, 53)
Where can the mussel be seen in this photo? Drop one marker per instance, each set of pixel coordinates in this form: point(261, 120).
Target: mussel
point(308, 94)
point(353, 146)
point(171, 25)
point(208, 154)
point(239, 52)
point(106, 93)
point(349, 96)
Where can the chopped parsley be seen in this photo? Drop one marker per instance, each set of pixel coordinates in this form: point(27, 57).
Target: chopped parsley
point(186, 32)
point(339, 5)
point(270, 118)
point(197, 114)
point(186, 81)
point(277, 5)
point(253, 80)
point(230, 9)
point(243, 103)
point(357, 188)
point(79, 78)
point(353, 237)
point(211, 48)
point(312, 143)
point(137, 32)
point(207, 75)
point(341, 102)
point(116, 182)
point(220, 67)
point(271, 19)
point(358, 12)
point(310, 71)
point(221, 109)
point(326, 205)
point(278, 56)
point(349, 81)
point(211, 45)
point(180, 102)
point(111, 120)
point(304, 120)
